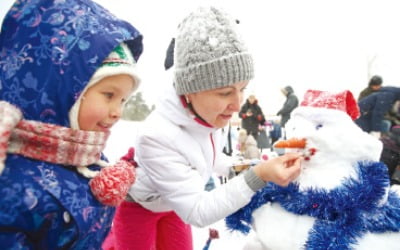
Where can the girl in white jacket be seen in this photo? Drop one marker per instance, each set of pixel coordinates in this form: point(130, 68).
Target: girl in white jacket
point(180, 143)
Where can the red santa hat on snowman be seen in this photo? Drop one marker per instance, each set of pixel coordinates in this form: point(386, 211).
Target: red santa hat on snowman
point(337, 106)
point(343, 101)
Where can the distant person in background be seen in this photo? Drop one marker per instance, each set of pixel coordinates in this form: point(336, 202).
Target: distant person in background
point(291, 103)
point(263, 139)
point(252, 116)
point(391, 153)
point(248, 145)
point(276, 132)
point(374, 107)
point(375, 83)
point(393, 115)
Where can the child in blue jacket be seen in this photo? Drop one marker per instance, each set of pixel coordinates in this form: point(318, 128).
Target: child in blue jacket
point(66, 69)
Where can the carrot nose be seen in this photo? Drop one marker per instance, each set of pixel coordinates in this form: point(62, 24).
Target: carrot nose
point(291, 143)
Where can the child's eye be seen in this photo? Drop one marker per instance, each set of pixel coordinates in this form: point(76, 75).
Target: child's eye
point(109, 95)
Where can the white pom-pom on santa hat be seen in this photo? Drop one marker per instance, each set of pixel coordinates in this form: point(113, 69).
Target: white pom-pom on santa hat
point(343, 101)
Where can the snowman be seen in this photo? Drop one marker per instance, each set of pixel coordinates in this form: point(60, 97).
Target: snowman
point(341, 200)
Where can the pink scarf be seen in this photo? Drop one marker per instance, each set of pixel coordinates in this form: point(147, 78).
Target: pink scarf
point(65, 146)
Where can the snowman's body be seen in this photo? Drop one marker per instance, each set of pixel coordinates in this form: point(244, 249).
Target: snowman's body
point(342, 198)
point(280, 229)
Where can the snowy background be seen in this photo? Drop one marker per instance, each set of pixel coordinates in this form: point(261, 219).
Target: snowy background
point(327, 45)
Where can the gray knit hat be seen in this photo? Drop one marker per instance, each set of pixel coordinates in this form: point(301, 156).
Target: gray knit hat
point(209, 53)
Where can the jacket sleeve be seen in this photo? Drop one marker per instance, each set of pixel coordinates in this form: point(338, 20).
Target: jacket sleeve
point(382, 105)
point(182, 187)
point(260, 115)
point(15, 241)
point(243, 110)
point(222, 164)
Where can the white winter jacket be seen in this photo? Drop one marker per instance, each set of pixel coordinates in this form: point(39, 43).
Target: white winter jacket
point(176, 156)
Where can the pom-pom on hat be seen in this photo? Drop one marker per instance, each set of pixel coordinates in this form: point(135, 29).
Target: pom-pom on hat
point(119, 61)
point(343, 101)
point(209, 53)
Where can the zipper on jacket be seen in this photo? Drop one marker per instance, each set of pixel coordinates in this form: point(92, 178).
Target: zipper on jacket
point(213, 147)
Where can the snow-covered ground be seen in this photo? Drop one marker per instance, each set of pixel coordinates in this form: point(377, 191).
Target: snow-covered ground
point(122, 137)
point(227, 239)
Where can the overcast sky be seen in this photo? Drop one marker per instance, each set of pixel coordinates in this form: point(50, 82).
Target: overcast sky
point(326, 45)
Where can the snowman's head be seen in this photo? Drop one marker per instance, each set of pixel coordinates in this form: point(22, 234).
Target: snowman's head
point(333, 135)
point(334, 143)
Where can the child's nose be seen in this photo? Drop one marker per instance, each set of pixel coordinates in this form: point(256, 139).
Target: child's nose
point(116, 111)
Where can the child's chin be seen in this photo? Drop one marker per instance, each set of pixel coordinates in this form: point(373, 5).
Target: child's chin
point(220, 125)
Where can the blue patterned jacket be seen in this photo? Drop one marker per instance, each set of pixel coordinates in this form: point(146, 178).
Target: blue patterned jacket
point(48, 52)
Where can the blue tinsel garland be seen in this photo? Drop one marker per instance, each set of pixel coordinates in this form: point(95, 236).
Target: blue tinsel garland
point(342, 214)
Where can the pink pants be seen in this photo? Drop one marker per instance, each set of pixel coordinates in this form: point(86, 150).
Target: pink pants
point(135, 227)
